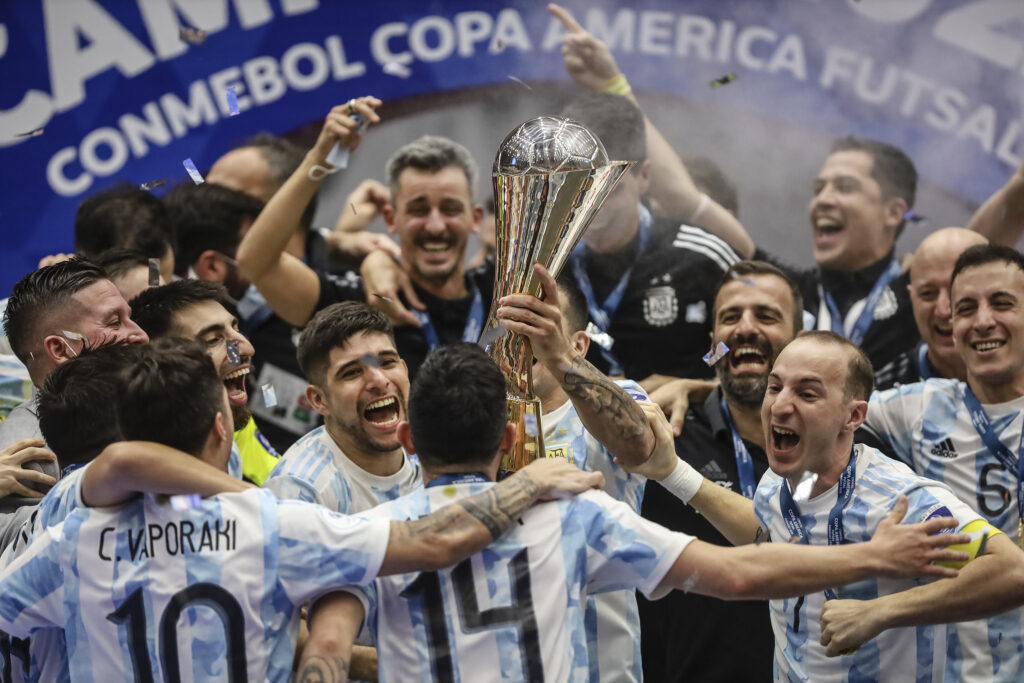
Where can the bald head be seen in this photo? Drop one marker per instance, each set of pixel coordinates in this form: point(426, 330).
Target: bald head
point(244, 169)
point(929, 294)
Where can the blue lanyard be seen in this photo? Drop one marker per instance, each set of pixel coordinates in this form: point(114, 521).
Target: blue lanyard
point(465, 478)
point(982, 425)
point(923, 370)
point(744, 463)
point(864, 320)
point(795, 524)
point(470, 333)
point(602, 315)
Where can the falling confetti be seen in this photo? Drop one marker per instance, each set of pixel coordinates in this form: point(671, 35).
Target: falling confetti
point(384, 298)
point(234, 357)
point(716, 354)
point(396, 69)
point(196, 36)
point(602, 339)
point(745, 279)
point(193, 172)
point(370, 360)
point(186, 502)
point(269, 395)
point(154, 272)
point(31, 134)
point(724, 80)
point(153, 184)
point(530, 423)
point(520, 82)
point(354, 209)
point(233, 102)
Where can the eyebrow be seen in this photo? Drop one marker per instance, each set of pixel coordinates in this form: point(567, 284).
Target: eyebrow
point(803, 381)
point(384, 355)
point(216, 327)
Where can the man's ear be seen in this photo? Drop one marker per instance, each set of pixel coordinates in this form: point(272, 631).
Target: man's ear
point(316, 398)
point(388, 211)
point(219, 428)
point(580, 342)
point(478, 217)
point(404, 435)
point(210, 266)
point(58, 349)
point(895, 209)
point(858, 413)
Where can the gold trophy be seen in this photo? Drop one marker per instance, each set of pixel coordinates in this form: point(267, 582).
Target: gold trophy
point(551, 176)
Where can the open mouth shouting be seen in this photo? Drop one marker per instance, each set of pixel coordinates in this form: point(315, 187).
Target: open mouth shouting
point(235, 384)
point(383, 413)
point(826, 231)
point(783, 440)
point(749, 358)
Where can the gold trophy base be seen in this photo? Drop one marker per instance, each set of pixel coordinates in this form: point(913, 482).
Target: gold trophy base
point(524, 413)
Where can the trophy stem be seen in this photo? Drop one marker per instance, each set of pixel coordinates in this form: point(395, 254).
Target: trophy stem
point(524, 413)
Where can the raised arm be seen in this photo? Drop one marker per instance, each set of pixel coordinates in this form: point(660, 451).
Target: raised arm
point(329, 655)
point(351, 237)
point(1001, 217)
point(988, 585)
point(605, 409)
point(127, 468)
point(590, 63)
point(290, 286)
point(456, 531)
point(780, 570)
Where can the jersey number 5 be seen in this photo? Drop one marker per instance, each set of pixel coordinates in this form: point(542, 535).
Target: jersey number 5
point(132, 614)
point(427, 589)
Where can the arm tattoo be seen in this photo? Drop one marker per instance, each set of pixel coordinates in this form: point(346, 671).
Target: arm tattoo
point(598, 395)
point(318, 669)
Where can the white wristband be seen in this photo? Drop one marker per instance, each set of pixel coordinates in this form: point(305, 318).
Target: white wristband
point(701, 205)
point(684, 482)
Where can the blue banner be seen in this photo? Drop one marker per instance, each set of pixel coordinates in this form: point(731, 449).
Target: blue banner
point(118, 95)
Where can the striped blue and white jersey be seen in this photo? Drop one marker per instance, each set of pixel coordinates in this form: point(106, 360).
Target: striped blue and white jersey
point(612, 618)
point(516, 607)
point(206, 594)
point(900, 654)
point(927, 425)
point(316, 471)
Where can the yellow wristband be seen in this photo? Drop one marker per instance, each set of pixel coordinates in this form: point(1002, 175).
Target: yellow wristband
point(618, 85)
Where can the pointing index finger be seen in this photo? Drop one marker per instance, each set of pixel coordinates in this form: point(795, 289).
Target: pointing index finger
point(567, 19)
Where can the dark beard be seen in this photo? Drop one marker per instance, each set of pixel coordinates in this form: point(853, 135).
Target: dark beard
point(748, 390)
point(241, 415)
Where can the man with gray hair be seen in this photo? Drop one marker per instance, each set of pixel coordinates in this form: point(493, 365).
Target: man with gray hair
point(430, 209)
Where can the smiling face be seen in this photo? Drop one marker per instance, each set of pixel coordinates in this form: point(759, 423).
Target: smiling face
point(105, 316)
point(755, 322)
point(988, 322)
point(853, 226)
point(364, 396)
point(807, 418)
point(930, 273)
point(433, 215)
point(212, 325)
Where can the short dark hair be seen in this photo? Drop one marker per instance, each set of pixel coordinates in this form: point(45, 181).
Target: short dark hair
point(742, 269)
point(616, 121)
point(457, 407)
point(42, 295)
point(154, 309)
point(283, 158)
point(983, 254)
point(171, 395)
point(712, 181)
point(331, 328)
point(891, 168)
point(76, 400)
point(122, 217)
point(117, 262)
point(574, 303)
point(431, 154)
point(860, 377)
point(208, 216)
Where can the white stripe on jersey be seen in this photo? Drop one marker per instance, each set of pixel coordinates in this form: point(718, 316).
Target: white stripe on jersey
point(315, 470)
point(515, 607)
point(613, 636)
point(683, 242)
point(928, 426)
point(901, 654)
point(234, 570)
point(698, 235)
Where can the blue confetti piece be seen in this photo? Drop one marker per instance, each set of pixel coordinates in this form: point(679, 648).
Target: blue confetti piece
point(234, 357)
point(193, 172)
point(530, 422)
point(233, 102)
point(186, 502)
point(269, 396)
point(716, 354)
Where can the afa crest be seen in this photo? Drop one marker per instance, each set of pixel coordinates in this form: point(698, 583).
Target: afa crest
point(661, 307)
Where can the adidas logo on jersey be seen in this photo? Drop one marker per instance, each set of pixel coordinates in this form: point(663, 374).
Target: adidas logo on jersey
point(944, 449)
point(716, 474)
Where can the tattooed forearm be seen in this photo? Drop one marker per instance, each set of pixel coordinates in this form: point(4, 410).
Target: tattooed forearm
point(317, 669)
point(606, 410)
point(458, 530)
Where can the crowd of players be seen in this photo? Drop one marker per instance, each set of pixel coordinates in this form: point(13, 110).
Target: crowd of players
point(318, 502)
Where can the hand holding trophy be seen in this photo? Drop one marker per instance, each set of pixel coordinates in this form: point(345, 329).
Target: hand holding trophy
point(551, 175)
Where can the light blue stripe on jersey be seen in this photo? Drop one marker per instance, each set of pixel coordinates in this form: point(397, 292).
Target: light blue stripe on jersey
point(306, 469)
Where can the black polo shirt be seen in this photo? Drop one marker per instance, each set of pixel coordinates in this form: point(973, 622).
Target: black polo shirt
point(663, 322)
point(690, 637)
point(892, 331)
point(905, 369)
point(448, 315)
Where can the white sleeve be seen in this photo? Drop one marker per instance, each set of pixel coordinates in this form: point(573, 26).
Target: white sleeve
point(32, 587)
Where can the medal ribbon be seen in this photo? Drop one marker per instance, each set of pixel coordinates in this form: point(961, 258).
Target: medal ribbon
point(867, 315)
